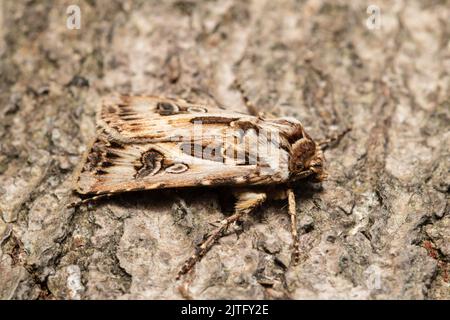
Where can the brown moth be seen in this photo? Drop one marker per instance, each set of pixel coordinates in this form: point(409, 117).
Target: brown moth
point(146, 142)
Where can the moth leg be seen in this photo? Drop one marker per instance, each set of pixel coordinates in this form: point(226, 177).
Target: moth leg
point(293, 213)
point(246, 203)
point(325, 144)
point(88, 200)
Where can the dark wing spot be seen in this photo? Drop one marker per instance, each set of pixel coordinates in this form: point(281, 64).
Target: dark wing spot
point(135, 129)
point(124, 106)
point(93, 159)
point(132, 117)
point(246, 125)
point(127, 114)
point(151, 163)
point(111, 155)
point(213, 120)
point(166, 108)
point(112, 109)
point(106, 164)
point(223, 181)
point(116, 145)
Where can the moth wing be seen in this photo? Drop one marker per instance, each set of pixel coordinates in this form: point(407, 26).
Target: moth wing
point(150, 143)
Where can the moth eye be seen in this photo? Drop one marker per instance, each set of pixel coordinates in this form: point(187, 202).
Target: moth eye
point(197, 110)
point(192, 149)
point(177, 168)
point(166, 108)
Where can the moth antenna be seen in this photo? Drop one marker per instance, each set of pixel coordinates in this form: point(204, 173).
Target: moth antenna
point(250, 106)
point(88, 200)
point(326, 143)
point(247, 202)
point(293, 213)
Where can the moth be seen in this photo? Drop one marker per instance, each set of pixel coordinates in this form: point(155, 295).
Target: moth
point(148, 142)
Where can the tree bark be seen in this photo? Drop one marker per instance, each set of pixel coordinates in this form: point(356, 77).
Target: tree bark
point(377, 228)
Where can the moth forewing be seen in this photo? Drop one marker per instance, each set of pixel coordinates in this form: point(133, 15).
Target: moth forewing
point(140, 147)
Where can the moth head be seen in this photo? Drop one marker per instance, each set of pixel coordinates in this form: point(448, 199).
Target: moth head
point(306, 158)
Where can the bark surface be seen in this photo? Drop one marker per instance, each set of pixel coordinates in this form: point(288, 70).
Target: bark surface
point(377, 228)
